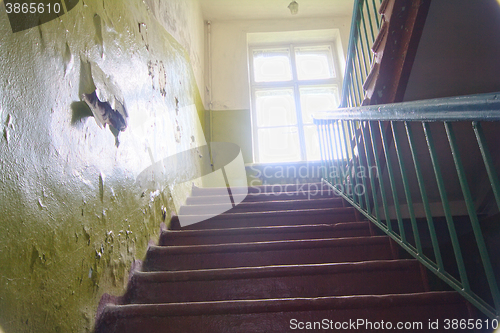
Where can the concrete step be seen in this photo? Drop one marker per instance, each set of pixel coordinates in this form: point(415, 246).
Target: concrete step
point(290, 252)
point(252, 197)
point(284, 315)
point(263, 234)
point(262, 206)
point(318, 280)
point(262, 189)
point(271, 218)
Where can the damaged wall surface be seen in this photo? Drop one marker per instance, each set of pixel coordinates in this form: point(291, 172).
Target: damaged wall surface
point(72, 216)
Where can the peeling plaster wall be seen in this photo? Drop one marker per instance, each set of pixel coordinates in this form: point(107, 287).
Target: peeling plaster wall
point(72, 217)
point(183, 19)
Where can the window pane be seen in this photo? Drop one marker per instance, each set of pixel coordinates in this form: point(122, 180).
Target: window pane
point(272, 65)
point(279, 144)
point(312, 143)
point(314, 63)
point(317, 99)
point(275, 107)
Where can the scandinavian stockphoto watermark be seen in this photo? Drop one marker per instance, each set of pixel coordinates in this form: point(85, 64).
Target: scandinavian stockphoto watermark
point(220, 166)
point(356, 324)
point(301, 176)
point(365, 324)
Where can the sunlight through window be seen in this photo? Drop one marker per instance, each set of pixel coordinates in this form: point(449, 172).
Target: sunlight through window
point(272, 65)
point(290, 84)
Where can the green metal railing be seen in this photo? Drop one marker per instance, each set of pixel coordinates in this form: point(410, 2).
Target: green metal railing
point(365, 26)
point(375, 157)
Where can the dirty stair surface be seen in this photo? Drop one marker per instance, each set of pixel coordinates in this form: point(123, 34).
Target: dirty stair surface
point(270, 263)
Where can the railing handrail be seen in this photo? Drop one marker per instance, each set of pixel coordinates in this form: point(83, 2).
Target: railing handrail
point(362, 138)
point(353, 39)
point(355, 138)
point(480, 107)
point(364, 28)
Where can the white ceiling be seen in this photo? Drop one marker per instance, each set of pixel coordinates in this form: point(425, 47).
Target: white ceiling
point(273, 9)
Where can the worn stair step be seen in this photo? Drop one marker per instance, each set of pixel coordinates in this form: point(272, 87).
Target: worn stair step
point(262, 234)
point(284, 315)
point(261, 206)
point(252, 197)
point(290, 252)
point(261, 189)
point(318, 280)
point(272, 218)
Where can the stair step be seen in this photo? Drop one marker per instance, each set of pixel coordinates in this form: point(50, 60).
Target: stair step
point(280, 315)
point(261, 206)
point(361, 278)
point(262, 234)
point(272, 218)
point(262, 189)
point(252, 197)
point(290, 252)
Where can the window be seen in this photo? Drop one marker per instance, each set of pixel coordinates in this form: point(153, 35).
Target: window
point(289, 84)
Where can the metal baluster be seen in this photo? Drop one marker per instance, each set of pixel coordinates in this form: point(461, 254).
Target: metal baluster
point(321, 147)
point(349, 159)
point(376, 16)
point(390, 173)
point(485, 258)
point(488, 162)
point(340, 156)
point(352, 137)
point(362, 163)
point(446, 208)
point(423, 193)
point(372, 181)
point(379, 176)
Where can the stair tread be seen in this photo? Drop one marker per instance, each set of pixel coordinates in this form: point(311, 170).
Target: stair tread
point(260, 189)
point(268, 245)
point(276, 281)
point(266, 229)
point(289, 195)
point(256, 203)
point(266, 218)
point(261, 205)
point(275, 270)
point(284, 304)
point(311, 211)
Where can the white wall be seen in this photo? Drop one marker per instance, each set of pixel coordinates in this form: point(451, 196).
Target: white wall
point(230, 85)
point(183, 19)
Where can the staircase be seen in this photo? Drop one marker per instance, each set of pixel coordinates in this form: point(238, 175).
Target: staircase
point(276, 263)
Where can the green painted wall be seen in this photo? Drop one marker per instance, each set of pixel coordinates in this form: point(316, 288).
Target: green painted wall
point(233, 126)
point(72, 218)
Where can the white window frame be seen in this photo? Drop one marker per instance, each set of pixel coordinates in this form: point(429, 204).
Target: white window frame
point(295, 84)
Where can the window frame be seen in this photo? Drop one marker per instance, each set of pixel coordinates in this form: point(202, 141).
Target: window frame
point(295, 84)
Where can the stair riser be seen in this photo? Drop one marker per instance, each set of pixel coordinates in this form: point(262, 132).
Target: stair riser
point(261, 206)
point(158, 261)
point(267, 189)
point(271, 219)
point(202, 200)
point(333, 284)
point(283, 321)
point(165, 239)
